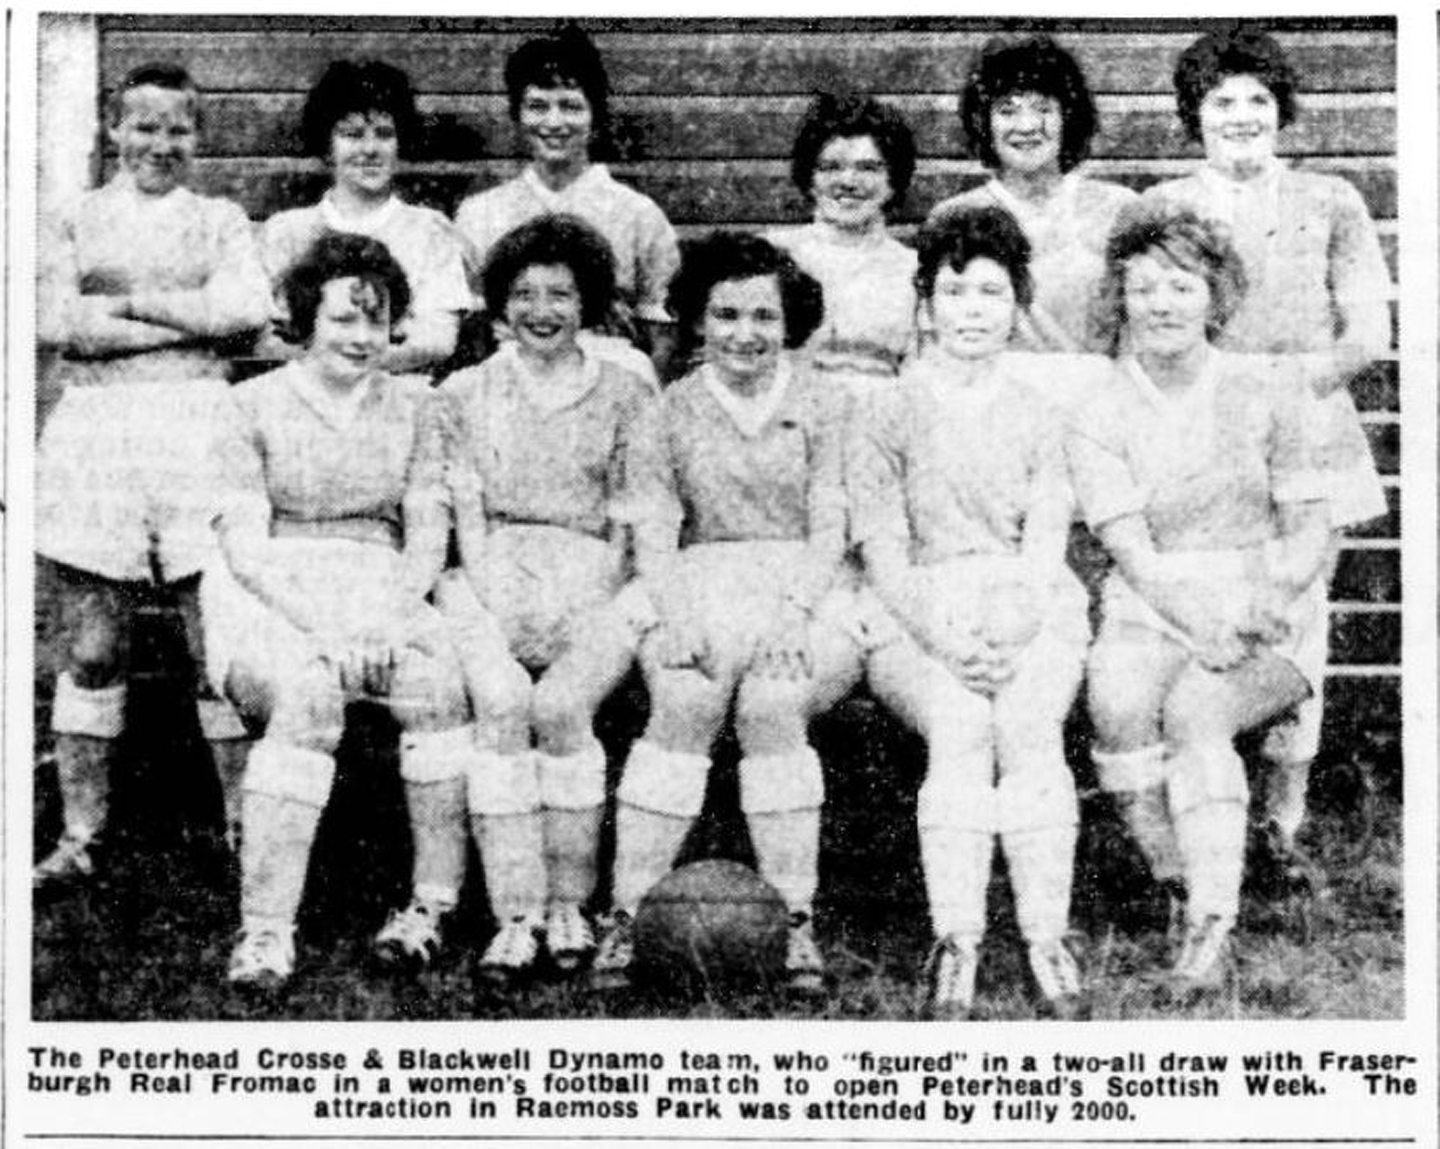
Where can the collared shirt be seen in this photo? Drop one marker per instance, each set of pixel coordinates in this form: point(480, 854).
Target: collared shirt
point(647, 254)
point(949, 469)
point(1067, 234)
point(1207, 467)
point(1313, 265)
point(525, 456)
point(291, 457)
point(869, 322)
point(696, 476)
point(424, 243)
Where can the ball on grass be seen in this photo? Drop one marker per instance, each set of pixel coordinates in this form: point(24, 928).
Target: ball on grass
point(714, 926)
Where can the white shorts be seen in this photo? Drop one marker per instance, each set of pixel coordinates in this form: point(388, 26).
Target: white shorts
point(120, 465)
point(1221, 576)
point(539, 583)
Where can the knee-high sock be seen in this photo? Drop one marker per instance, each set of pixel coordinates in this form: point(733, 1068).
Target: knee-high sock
point(1038, 815)
point(1208, 796)
point(572, 798)
point(781, 795)
point(1136, 779)
point(660, 796)
point(505, 819)
point(83, 765)
point(956, 821)
point(286, 787)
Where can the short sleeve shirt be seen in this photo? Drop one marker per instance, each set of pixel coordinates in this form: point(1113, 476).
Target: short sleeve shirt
point(1206, 469)
point(287, 458)
point(869, 322)
point(1067, 236)
point(696, 474)
point(948, 469)
point(647, 254)
point(525, 461)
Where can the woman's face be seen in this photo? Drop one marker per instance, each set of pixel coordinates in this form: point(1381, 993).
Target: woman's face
point(364, 152)
point(851, 185)
point(556, 124)
point(352, 331)
point(744, 330)
point(543, 309)
point(1166, 307)
point(973, 310)
point(1025, 131)
point(156, 136)
point(1239, 120)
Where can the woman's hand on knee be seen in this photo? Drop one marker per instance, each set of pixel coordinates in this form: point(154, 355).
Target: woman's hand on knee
point(683, 646)
point(784, 651)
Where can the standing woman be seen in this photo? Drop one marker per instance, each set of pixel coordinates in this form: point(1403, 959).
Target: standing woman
point(738, 508)
point(360, 119)
point(961, 509)
point(332, 511)
point(1195, 468)
point(537, 442)
point(853, 160)
point(560, 103)
point(1318, 293)
point(137, 285)
point(1028, 114)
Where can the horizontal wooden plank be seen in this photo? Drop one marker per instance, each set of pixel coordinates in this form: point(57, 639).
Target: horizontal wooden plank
point(700, 191)
point(1387, 526)
point(1366, 576)
point(793, 58)
point(1385, 447)
point(1377, 387)
point(750, 127)
point(1359, 710)
point(1368, 639)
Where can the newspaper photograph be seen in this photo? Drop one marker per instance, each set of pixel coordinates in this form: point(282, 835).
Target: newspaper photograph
point(798, 575)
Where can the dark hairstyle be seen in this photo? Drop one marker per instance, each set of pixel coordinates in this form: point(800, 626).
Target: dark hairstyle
point(1234, 51)
point(342, 255)
point(349, 87)
point(725, 255)
point(833, 116)
point(171, 77)
point(1197, 245)
point(958, 237)
point(566, 58)
point(565, 240)
point(1034, 64)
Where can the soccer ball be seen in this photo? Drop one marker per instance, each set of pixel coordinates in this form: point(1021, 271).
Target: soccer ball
point(712, 927)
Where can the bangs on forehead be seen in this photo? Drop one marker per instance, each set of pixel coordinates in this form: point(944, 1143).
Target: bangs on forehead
point(1031, 82)
point(1180, 251)
point(121, 103)
point(368, 293)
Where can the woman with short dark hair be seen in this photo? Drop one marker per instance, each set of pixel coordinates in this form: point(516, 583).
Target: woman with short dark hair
point(737, 505)
point(331, 513)
point(537, 436)
point(1319, 294)
point(559, 102)
point(1197, 470)
point(960, 507)
point(1028, 115)
point(360, 119)
point(853, 161)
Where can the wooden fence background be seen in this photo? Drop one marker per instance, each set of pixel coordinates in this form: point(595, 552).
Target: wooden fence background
point(705, 111)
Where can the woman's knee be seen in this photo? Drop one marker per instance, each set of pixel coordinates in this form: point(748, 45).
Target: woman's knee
point(500, 691)
point(686, 708)
point(561, 712)
point(768, 707)
point(1125, 692)
point(303, 707)
point(96, 637)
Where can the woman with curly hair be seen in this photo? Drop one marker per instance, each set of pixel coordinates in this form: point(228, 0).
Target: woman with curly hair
point(1196, 468)
point(1028, 115)
point(360, 119)
point(961, 507)
point(560, 104)
point(738, 508)
point(536, 445)
point(1318, 294)
point(853, 160)
point(332, 510)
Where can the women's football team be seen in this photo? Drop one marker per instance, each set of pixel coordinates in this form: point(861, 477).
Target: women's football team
point(866, 470)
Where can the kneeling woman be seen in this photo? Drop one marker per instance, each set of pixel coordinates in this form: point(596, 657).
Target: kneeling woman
point(1193, 467)
point(736, 497)
point(961, 510)
point(330, 491)
point(536, 437)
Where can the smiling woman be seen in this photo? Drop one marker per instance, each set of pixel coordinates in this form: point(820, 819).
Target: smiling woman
point(360, 119)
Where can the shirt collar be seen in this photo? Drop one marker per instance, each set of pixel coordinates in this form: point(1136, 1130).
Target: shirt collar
point(548, 398)
point(750, 413)
point(592, 176)
point(371, 223)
